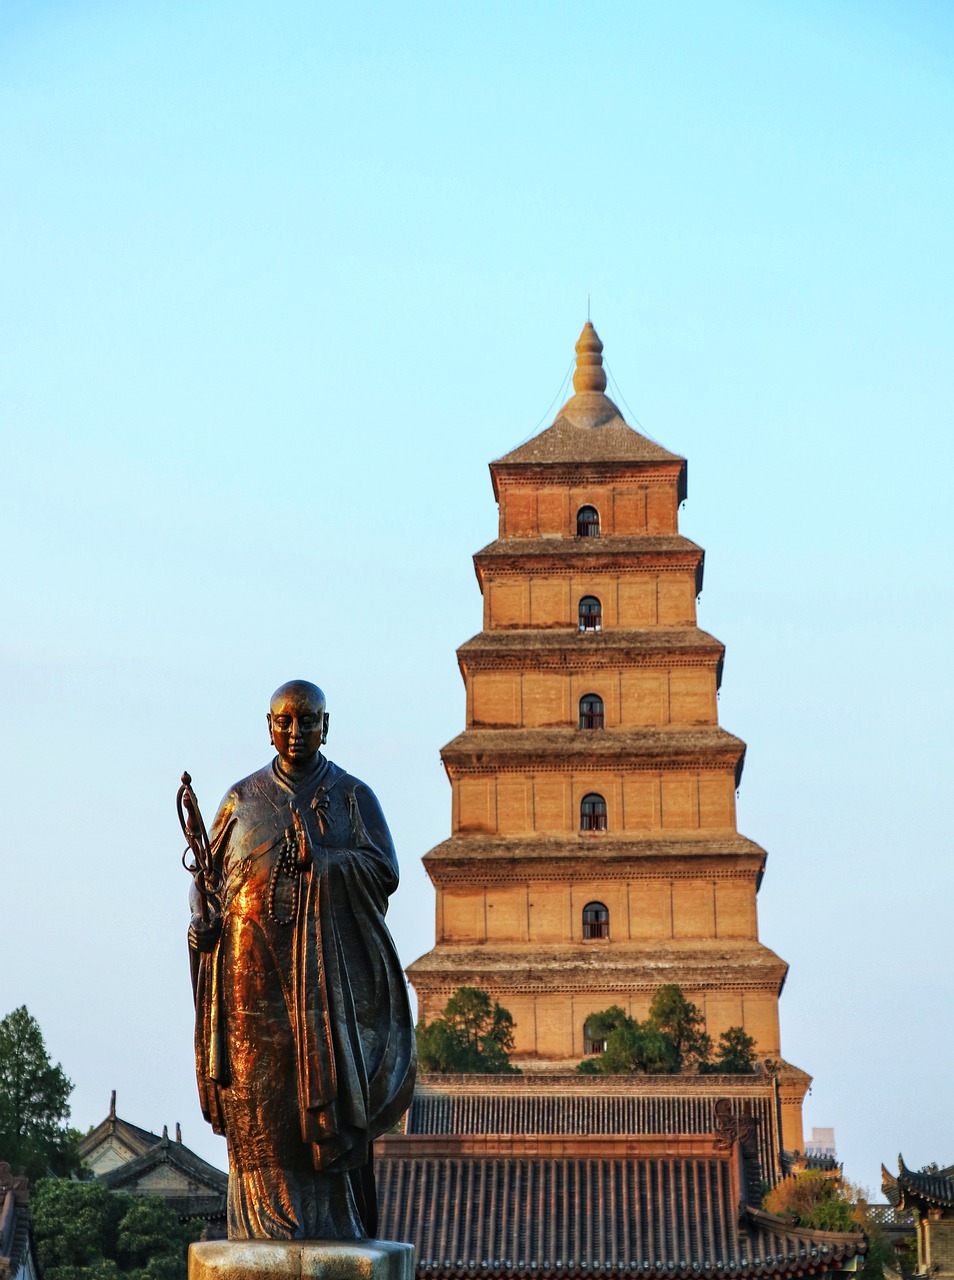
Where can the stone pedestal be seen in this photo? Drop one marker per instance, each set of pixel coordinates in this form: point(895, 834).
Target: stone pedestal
point(301, 1260)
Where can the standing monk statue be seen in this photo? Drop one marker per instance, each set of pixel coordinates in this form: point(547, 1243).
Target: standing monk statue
point(304, 1040)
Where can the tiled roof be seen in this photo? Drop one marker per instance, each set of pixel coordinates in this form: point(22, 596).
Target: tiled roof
point(172, 1153)
point(584, 1106)
point(130, 1135)
point(910, 1190)
point(672, 1216)
point(588, 429)
point(152, 1150)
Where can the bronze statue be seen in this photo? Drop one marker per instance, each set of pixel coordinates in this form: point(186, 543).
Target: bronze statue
point(304, 1040)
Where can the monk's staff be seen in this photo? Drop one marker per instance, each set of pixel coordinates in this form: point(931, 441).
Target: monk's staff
point(201, 868)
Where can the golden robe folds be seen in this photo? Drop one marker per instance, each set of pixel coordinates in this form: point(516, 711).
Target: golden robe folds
point(304, 1039)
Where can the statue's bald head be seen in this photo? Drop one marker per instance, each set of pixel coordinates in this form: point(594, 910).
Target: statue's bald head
point(298, 723)
point(301, 692)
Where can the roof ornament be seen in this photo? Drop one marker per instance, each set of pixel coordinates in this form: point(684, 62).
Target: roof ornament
point(589, 375)
point(112, 1105)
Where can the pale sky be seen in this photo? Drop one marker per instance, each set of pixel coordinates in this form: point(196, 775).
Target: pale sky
point(279, 281)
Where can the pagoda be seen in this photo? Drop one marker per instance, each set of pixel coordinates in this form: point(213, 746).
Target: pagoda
point(594, 853)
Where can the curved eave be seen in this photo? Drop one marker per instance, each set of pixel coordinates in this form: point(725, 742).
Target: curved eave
point(172, 1153)
point(910, 1190)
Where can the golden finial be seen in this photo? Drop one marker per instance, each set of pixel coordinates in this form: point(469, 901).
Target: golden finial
point(589, 375)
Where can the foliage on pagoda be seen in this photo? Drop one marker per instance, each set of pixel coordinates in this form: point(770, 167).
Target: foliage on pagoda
point(670, 1041)
point(473, 1036)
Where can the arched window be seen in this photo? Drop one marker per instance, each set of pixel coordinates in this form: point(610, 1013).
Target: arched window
point(587, 523)
point(590, 1043)
point(591, 711)
point(591, 614)
point(593, 813)
point(595, 921)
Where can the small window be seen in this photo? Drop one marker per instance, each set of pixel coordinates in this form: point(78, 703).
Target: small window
point(595, 921)
point(590, 1043)
point(593, 813)
point(591, 614)
point(587, 523)
point(591, 711)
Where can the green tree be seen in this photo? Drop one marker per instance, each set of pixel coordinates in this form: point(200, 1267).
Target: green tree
point(473, 1035)
point(680, 1020)
point(671, 1039)
point(34, 1102)
point(826, 1201)
point(734, 1055)
point(86, 1232)
point(816, 1198)
point(629, 1045)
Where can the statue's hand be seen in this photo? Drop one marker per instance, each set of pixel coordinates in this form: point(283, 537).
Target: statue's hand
point(203, 935)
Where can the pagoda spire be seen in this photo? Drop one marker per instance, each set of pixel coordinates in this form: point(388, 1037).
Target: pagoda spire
point(589, 374)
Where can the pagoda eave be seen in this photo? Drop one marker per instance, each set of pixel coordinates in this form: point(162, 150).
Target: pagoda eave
point(708, 747)
point(563, 551)
point(567, 642)
point(565, 454)
point(647, 555)
point(601, 966)
point(641, 857)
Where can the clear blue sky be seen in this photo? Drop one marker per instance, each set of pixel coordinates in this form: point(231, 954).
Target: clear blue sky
point(279, 280)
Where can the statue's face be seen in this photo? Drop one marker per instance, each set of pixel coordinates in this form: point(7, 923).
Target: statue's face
point(297, 725)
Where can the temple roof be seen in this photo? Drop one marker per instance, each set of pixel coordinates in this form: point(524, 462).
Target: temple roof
point(538, 1107)
point(910, 1190)
point(589, 427)
point(175, 1154)
point(555, 1215)
point(121, 1132)
point(125, 1157)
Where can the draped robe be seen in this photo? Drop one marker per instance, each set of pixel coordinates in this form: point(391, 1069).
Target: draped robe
point(304, 1039)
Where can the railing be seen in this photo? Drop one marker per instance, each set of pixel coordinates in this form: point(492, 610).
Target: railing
point(588, 528)
point(592, 821)
point(595, 929)
point(887, 1216)
point(591, 621)
point(591, 1047)
point(591, 719)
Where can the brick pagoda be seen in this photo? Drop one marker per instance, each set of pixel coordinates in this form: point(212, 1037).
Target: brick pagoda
point(594, 852)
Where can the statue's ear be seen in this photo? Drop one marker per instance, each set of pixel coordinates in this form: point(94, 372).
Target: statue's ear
point(268, 720)
point(324, 729)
